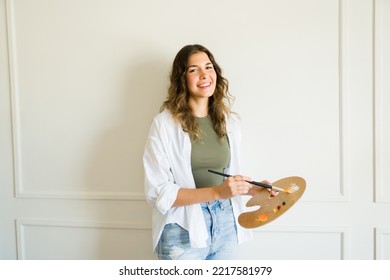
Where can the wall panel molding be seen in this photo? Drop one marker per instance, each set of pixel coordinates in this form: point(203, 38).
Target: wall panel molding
point(382, 100)
point(382, 243)
point(336, 235)
point(20, 191)
point(19, 183)
point(22, 224)
point(342, 231)
point(343, 99)
point(12, 58)
point(127, 196)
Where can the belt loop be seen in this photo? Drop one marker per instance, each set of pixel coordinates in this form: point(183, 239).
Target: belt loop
point(221, 204)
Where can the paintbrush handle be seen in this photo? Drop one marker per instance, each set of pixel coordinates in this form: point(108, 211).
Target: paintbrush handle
point(219, 173)
point(251, 182)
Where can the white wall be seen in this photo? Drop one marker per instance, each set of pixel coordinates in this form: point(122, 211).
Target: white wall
point(82, 80)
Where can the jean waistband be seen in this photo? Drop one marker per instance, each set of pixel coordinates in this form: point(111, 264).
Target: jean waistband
point(222, 202)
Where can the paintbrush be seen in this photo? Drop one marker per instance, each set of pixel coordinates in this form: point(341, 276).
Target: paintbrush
point(253, 182)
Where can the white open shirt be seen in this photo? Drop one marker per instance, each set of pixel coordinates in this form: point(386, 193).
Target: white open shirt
point(167, 167)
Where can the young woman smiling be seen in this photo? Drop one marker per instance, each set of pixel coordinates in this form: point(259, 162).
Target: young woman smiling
point(194, 211)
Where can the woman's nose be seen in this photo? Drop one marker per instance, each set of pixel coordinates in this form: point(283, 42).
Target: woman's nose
point(202, 75)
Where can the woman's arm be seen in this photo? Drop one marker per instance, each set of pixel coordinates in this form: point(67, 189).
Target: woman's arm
point(232, 186)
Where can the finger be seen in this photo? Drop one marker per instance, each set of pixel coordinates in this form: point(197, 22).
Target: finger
point(243, 184)
point(241, 178)
point(230, 179)
point(273, 193)
point(266, 182)
point(244, 189)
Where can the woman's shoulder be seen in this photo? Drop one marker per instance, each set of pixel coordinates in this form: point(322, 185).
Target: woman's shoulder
point(233, 121)
point(164, 119)
point(164, 116)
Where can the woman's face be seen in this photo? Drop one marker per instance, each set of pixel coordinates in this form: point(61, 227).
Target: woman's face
point(201, 76)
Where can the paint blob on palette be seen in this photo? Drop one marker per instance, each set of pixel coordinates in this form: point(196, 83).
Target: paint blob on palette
point(293, 188)
point(271, 206)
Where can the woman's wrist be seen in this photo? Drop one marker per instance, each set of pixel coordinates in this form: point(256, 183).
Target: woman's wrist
point(217, 192)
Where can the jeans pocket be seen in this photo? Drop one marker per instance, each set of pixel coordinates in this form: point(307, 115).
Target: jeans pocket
point(173, 236)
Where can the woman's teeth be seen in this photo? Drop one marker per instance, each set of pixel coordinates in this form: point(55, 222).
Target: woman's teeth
point(204, 85)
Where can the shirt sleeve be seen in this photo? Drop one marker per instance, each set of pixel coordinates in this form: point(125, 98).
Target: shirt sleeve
point(160, 187)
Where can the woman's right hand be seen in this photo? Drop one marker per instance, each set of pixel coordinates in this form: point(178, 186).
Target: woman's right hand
point(232, 186)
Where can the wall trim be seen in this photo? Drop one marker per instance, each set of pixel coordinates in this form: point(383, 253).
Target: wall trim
point(19, 191)
point(380, 234)
point(22, 223)
point(344, 232)
point(343, 98)
point(378, 92)
point(127, 196)
point(12, 58)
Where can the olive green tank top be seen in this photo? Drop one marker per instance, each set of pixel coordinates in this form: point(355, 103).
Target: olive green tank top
point(208, 153)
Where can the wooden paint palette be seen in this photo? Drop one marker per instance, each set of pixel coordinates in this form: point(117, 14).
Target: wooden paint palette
point(272, 207)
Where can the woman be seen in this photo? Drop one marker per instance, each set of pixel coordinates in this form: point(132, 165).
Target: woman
point(195, 212)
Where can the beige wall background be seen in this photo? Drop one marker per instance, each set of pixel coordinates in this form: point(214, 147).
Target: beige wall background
point(80, 82)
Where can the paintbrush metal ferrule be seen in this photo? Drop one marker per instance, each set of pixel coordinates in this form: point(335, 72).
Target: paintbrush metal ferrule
point(279, 189)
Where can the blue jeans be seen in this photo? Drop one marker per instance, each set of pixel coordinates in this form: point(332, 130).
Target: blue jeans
point(174, 243)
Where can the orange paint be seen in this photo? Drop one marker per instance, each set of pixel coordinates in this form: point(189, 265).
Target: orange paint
point(262, 218)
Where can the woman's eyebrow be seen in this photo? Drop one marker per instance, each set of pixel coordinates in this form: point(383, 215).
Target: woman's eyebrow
point(208, 63)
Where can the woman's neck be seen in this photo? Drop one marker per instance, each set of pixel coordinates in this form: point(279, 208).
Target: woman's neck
point(200, 107)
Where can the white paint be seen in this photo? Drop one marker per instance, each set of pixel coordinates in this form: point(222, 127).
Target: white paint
point(293, 188)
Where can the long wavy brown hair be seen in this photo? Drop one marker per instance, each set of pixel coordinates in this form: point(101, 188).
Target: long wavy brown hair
point(178, 95)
